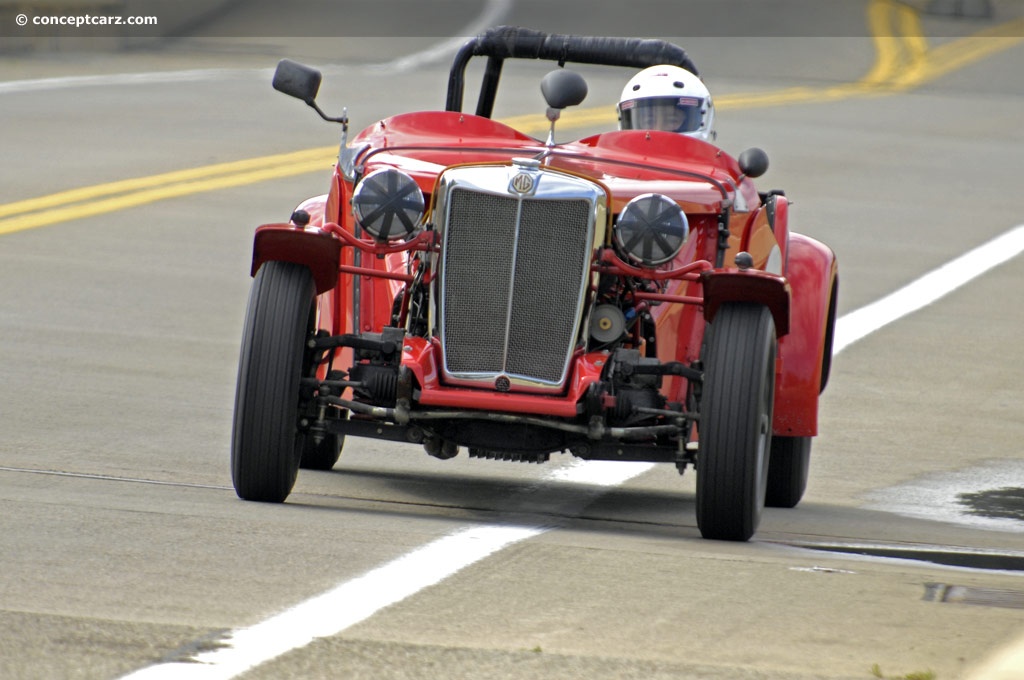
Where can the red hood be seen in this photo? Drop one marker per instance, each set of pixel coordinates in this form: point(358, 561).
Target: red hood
point(628, 162)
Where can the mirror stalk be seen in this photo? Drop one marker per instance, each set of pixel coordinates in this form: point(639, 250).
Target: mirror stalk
point(343, 119)
point(553, 115)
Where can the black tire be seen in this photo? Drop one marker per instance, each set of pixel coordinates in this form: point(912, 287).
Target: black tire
point(787, 471)
point(324, 455)
point(735, 422)
point(266, 445)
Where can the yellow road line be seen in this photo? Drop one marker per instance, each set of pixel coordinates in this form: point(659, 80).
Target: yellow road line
point(899, 44)
point(955, 55)
point(888, 47)
point(135, 184)
point(100, 206)
point(903, 60)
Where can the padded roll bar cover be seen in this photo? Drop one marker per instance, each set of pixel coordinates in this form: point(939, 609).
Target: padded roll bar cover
point(513, 42)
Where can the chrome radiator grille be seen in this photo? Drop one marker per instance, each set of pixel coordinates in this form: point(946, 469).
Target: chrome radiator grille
point(514, 273)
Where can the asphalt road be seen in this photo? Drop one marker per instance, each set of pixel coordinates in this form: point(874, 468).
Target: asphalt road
point(123, 545)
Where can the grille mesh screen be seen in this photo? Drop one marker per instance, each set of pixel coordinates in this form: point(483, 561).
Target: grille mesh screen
point(478, 267)
point(549, 267)
point(550, 261)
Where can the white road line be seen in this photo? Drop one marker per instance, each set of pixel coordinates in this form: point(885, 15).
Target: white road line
point(356, 600)
point(362, 597)
point(344, 606)
point(493, 13)
point(147, 78)
point(927, 289)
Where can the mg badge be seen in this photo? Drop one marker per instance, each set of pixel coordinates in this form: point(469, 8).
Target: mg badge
point(522, 183)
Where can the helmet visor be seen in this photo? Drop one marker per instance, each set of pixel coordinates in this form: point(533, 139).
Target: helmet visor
point(671, 114)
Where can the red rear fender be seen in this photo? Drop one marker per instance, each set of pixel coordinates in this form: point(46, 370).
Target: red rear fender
point(805, 354)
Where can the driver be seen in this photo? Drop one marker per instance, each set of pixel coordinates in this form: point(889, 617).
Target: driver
point(667, 98)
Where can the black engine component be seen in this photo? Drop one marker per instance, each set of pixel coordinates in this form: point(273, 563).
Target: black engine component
point(628, 401)
point(376, 367)
point(377, 384)
point(629, 393)
point(628, 369)
point(503, 441)
point(511, 456)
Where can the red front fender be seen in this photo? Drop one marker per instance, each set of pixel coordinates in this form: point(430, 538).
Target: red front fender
point(750, 285)
point(319, 251)
point(805, 354)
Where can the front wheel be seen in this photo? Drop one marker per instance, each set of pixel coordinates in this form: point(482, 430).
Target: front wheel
point(735, 421)
point(266, 445)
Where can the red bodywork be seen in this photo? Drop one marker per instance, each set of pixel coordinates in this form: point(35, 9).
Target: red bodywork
point(628, 296)
point(702, 179)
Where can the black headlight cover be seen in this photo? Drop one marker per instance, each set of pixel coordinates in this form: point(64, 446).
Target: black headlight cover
point(388, 204)
point(651, 230)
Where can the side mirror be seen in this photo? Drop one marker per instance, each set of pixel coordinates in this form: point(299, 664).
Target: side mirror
point(753, 162)
point(562, 88)
point(297, 80)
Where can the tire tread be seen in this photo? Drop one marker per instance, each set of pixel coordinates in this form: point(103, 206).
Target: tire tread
point(264, 459)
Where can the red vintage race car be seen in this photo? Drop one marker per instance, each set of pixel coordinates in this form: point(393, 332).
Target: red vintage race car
point(628, 296)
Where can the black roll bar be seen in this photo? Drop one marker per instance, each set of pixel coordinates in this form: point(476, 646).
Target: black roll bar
point(513, 42)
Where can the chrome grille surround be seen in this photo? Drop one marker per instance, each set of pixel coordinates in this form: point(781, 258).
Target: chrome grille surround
point(514, 273)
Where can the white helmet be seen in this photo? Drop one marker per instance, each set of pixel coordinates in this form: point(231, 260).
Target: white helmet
point(667, 98)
